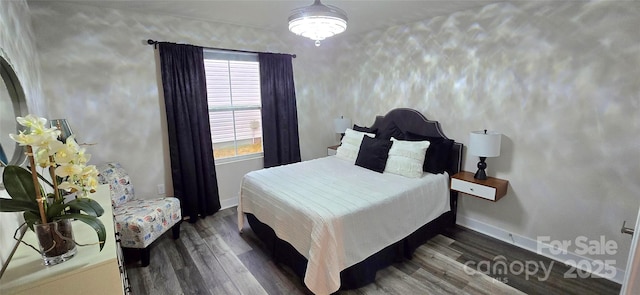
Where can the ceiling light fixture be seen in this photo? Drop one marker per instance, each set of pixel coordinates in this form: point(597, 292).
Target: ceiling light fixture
point(317, 21)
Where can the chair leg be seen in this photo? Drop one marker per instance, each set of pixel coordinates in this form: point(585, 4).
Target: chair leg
point(175, 230)
point(145, 256)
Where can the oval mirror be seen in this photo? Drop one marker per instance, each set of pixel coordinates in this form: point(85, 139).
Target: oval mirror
point(12, 104)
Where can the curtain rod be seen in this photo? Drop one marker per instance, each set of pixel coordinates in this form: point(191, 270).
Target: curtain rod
point(155, 43)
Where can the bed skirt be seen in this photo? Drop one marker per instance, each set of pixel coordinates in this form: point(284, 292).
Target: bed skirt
point(361, 273)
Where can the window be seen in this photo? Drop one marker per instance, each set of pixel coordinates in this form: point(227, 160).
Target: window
point(233, 95)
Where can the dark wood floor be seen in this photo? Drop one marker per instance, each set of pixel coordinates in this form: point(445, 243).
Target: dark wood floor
point(212, 258)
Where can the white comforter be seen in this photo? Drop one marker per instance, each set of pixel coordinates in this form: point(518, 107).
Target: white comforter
point(337, 214)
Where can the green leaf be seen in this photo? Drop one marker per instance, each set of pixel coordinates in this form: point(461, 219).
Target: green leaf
point(92, 221)
point(18, 183)
point(31, 218)
point(87, 205)
point(55, 209)
point(12, 205)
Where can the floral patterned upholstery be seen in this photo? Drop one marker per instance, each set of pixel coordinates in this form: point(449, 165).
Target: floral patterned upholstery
point(139, 221)
point(119, 182)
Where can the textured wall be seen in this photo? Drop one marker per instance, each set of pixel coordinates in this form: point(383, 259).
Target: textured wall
point(559, 80)
point(18, 47)
point(99, 75)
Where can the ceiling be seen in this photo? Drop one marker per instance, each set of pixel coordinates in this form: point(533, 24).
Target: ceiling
point(272, 15)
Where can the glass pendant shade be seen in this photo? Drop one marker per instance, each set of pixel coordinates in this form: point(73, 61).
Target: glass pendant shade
point(317, 21)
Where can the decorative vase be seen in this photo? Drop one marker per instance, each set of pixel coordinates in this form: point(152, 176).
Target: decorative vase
point(56, 241)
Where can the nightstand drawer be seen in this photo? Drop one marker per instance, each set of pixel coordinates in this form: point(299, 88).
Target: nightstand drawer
point(478, 190)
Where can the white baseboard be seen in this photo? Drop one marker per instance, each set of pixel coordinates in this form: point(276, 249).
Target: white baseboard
point(533, 246)
point(229, 202)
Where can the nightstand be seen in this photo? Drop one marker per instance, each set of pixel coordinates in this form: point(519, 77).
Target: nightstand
point(492, 189)
point(331, 151)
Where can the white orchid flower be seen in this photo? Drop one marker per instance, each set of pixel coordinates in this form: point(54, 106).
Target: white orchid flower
point(71, 142)
point(41, 157)
point(52, 146)
point(37, 135)
point(92, 184)
point(23, 139)
point(66, 154)
point(90, 171)
point(32, 121)
point(70, 187)
point(65, 170)
point(83, 158)
point(69, 158)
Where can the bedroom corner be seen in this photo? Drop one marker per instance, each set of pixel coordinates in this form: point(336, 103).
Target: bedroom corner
point(557, 79)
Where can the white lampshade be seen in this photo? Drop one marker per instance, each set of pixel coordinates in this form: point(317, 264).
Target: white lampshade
point(484, 143)
point(341, 124)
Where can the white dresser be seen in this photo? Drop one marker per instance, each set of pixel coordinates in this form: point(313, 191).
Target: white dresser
point(90, 272)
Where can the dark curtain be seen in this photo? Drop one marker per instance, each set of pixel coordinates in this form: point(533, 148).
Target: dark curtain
point(185, 94)
point(280, 139)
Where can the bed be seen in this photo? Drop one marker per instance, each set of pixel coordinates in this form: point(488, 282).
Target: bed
point(335, 223)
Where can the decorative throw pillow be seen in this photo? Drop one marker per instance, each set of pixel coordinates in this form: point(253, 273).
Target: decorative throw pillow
point(392, 130)
point(373, 153)
point(406, 158)
point(438, 153)
point(364, 129)
point(350, 146)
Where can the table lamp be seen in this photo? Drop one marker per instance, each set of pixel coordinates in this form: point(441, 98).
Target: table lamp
point(341, 125)
point(484, 144)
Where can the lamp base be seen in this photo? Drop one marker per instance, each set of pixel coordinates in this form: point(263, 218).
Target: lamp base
point(481, 174)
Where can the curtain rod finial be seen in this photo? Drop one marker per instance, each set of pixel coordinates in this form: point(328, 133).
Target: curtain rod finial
point(152, 42)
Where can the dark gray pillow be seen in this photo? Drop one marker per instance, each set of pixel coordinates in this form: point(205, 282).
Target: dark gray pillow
point(392, 130)
point(438, 153)
point(364, 129)
point(373, 153)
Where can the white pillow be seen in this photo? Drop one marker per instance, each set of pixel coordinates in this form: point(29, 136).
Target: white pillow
point(406, 158)
point(350, 145)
